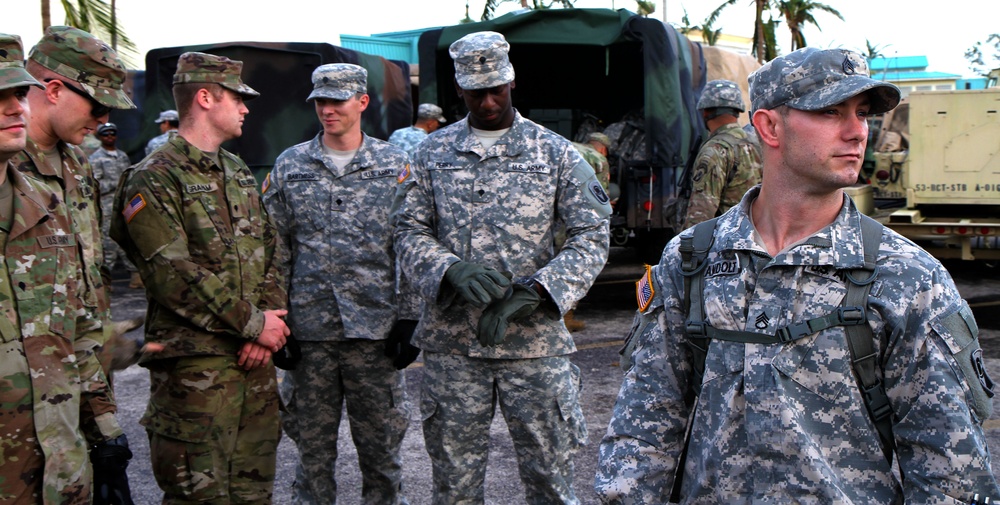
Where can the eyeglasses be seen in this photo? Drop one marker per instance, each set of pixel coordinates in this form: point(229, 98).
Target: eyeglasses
point(97, 109)
point(109, 134)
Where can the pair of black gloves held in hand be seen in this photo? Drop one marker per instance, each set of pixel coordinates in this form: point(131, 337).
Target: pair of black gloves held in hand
point(505, 302)
point(110, 460)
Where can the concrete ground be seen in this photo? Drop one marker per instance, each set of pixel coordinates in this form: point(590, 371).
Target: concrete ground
point(607, 312)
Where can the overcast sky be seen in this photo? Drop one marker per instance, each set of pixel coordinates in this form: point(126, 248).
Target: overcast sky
point(899, 27)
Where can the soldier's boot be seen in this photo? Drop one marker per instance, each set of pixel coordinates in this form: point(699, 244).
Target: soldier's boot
point(135, 282)
point(573, 324)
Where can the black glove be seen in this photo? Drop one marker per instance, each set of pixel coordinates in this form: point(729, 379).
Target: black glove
point(110, 459)
point(288, 357)
point(476, 284)
point(397, 345)
point(523, 300)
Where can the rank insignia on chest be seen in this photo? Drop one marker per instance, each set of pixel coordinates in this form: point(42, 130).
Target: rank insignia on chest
point(644, 290)
point(136, 204)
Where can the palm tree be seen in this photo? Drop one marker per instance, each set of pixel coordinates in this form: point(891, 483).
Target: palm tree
point(95, 16)
point(759, 30)
point(491, 5)
point(798, 13)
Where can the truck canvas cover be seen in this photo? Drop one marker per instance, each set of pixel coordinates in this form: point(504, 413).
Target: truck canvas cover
point(571, 63)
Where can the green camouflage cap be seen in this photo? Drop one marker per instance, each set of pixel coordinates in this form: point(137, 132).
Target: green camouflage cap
point(481, 60)
point(202, 67)
point(431, 111)
point(81, 57)
point(600, 138)
point(721, 93)
point(812, 79)
point(12, 72)
point(338, 81)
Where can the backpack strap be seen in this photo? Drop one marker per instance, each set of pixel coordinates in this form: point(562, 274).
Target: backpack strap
point(694, 254)
point(860, 339)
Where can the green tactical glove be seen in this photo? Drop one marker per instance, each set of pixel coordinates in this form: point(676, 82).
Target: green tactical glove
point(523, 300)
point(476, 284)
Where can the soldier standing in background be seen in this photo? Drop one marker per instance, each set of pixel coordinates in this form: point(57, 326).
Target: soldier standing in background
point(728, 163)
point(429, 118)
point(46, 381)
point(109, 163)
point(782, 416)
point(168, 122)
point(190, 217)
point(83, 79)
point(483, 200)
point(330, 199)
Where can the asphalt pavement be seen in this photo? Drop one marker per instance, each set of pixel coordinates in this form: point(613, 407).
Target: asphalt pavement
point(607, 312)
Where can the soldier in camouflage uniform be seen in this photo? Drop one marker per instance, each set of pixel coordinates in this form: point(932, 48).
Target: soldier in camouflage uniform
point(429, 118)
point(728, 163)
point(595, 152)
point(109, 163)
point(786, 422)
point(481, 202)
point(330, 199)
point(168, 122)
point(83, 79)
point(190, 217)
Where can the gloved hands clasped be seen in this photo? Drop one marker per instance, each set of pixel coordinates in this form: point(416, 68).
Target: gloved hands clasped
point(477, 284)
point(397, 345)
point(522, 301)
point(110, 459)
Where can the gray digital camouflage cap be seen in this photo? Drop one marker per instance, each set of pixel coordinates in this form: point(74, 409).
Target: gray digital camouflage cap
point(338, 81)
point(431, 111)
point(721, 93)
point(167, 115)
point(81, 57)
point(12, 72)
point(481, 60)
point(194, 67)
point(811, 79)
point(106, 127)
point(600, 138)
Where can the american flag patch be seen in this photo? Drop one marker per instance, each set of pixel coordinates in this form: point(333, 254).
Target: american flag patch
point(267, 183)
point(136, 204)
point(404, 174)
point(644, 290)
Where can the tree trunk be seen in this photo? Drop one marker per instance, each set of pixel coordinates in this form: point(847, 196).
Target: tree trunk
point(46, 15)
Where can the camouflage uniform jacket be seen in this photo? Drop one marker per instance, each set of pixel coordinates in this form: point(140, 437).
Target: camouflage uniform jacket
point(76, 185)
point(728, 164)
point(500, 208)
point(205, 247)
point(408, 138)
point(108, 167)
point(786, 423)
point(335, 225)
point(47, 370)
point(158, 141)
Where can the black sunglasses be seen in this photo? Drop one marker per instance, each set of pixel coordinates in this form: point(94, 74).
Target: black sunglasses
point(97, 109)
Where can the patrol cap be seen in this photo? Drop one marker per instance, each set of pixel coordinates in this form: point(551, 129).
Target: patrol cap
point(338, 81)
point(481, 60)
point(195, 67)
point(599, 137)
point(12, 72)
point(81, 57)
point(167, 115)
point(431, 111)
point(107, 127)
point(721, 93)
point(811, 79)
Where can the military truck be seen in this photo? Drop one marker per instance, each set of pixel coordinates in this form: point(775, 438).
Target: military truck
point(280, 117)
point(580, 70)
point(936, 172)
